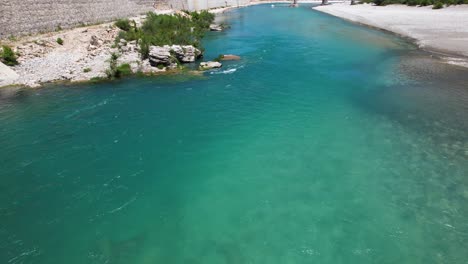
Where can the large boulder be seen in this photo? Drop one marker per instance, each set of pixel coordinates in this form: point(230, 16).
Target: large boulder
point(168, 55)
point(186, 53)
point(160, 56)
point(210, 65)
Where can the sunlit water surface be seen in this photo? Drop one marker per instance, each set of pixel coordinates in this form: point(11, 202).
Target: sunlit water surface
point(327, 143)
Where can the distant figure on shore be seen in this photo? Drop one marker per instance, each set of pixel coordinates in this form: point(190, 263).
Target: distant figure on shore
point(294, 4)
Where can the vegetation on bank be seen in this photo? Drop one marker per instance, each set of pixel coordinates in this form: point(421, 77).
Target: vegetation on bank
point(437, 4)
point(159, 30)
point(116, 71)
point(7, 56)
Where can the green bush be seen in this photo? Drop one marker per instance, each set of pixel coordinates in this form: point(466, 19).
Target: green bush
point(86, 69)
point(425, 2)
point(60, 41)
point(8, 57)
point(438, 5)
point(123, 24)
point(123, 70)
point(115, 71)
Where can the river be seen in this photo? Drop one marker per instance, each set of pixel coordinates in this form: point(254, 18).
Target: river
point(327, 142)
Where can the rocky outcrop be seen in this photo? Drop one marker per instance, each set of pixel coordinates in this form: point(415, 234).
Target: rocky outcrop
point(160, 56)
point(185, 54)
point(210, 65)
point(170, 55)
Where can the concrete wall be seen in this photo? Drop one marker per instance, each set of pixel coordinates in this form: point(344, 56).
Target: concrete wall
point(21, 17)
point(207, 4)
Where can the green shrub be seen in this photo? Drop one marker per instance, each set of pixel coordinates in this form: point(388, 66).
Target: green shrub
point(425, 2)
point(159, 30)
point(438, 5)
point(123, 70)
point(115, 71)
point(8, 57)
point(412, 2)
point(86, 69)
point(123, 24)
point(60, 41)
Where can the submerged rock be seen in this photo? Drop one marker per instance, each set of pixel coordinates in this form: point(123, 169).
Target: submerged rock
point(210, 65)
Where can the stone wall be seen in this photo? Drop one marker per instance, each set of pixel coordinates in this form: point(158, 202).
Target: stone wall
point(207, 4)
point(21, 17)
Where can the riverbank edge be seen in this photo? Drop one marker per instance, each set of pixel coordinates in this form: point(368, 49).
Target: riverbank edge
point(10, 77)
point(445, 55)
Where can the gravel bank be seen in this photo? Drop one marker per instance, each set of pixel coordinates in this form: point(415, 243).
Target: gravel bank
point(443, 31)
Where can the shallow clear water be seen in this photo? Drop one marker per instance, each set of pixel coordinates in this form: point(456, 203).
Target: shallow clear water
point(327, 143)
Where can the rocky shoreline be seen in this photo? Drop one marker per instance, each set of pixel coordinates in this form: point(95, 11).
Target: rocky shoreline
point(85, 53)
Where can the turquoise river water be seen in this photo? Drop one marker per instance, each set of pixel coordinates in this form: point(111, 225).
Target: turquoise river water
point(327, 143)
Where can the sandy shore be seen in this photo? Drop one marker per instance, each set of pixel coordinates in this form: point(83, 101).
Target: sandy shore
point(443, 31)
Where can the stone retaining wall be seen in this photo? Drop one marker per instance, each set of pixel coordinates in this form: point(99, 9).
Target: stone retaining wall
point(207, 4)
point(21, 17)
